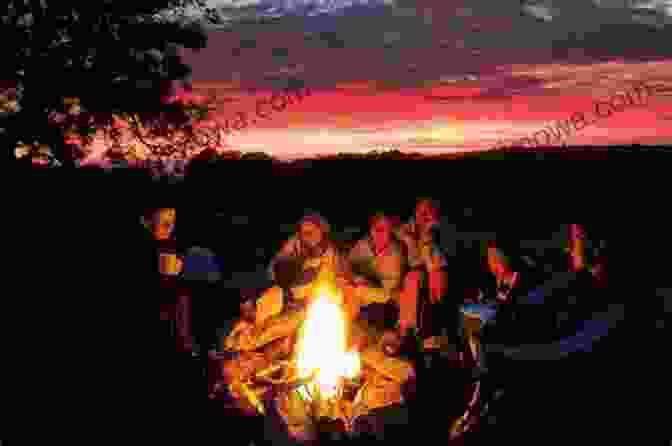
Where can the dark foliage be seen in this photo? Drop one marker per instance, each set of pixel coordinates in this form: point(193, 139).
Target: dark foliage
point(76, 66)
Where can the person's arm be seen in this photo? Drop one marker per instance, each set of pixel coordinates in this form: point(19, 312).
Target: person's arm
point(438, 284)
point(343, 268)
point(405, 235)
point(436, 265)
point(356, 253)
point(393, 275)
point(356, 257)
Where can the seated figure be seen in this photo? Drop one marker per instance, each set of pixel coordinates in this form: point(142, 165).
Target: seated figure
point(376, 262)
point(507, 283)
point(548, 326)
point(305, 260)
point(517, 305)
point(426, 261)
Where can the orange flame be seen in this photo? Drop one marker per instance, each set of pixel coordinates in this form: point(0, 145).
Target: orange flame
point(321, 347)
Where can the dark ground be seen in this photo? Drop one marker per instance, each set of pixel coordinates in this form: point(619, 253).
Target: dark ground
point(83, 225)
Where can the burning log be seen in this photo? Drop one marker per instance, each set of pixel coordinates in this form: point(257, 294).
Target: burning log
point(379, 391)
point(281, 326)
point(395, 369)
point(301, 365)
point(248, 337)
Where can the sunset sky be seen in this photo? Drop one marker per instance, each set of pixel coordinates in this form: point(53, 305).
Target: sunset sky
point(437, 76)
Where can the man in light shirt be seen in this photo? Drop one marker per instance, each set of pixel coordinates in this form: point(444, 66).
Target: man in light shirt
point(377, 263)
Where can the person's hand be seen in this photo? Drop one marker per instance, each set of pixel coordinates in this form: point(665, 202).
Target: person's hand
point(359, 281)
point(248, 310)
point(391, 342)
point(406, 233)
point(432, 262)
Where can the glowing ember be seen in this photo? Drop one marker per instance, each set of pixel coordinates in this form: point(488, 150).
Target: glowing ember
point(321, 347)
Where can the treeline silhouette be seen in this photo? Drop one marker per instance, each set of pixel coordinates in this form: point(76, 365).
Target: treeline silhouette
point(566, 152)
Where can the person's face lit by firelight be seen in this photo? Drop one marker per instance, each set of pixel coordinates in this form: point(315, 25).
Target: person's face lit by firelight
point(426, 214)
point(381, 231)
point(311, 234)
point(164, 223)
point(496, 264)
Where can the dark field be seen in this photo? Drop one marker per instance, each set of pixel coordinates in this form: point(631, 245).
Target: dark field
point(244, 210)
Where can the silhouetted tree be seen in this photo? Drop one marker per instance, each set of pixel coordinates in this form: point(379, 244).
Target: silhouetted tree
point(79, 66)
point(259, 156)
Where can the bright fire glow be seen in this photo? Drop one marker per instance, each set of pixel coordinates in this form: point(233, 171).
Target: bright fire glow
point(322, 346)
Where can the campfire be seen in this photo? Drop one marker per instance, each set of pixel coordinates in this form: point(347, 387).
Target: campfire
point(321, 354)
point(315, 376)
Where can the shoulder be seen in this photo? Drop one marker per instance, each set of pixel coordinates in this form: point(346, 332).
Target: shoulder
point(361, 245)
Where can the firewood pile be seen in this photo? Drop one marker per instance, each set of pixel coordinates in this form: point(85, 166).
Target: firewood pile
point(263, 373)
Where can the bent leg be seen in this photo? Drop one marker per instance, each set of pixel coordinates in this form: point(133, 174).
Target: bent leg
point(352, 301)
point(408, 301)
point(372, 295)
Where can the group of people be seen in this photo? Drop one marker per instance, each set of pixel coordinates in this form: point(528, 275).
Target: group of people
point(398, 281)
point(397, 275)
point(383, 268)
point(392, 277)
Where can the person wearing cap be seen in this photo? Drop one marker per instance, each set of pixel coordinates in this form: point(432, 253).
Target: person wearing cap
point(305, 259)
point(425, 260)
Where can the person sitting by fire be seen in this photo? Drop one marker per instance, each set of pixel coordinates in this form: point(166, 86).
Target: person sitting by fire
point(504, 283)
point(377, 264)
point(542, 326)
point(305, 260)
point(427, 265)
point(581, 272)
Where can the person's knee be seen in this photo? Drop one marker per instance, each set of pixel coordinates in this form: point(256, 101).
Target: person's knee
point(274, 293)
